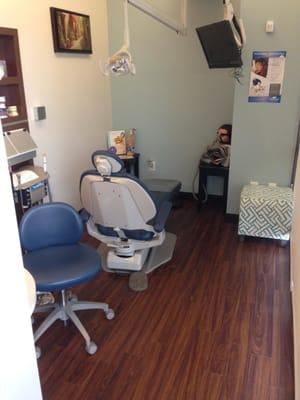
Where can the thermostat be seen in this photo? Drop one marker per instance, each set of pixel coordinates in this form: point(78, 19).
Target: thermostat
point(39, 113)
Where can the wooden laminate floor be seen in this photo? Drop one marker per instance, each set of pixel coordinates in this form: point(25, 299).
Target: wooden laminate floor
point(215, 323)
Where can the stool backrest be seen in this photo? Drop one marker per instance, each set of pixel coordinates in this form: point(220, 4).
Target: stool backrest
point(50, 224)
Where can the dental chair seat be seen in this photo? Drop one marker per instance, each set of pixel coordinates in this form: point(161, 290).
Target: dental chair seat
point(164, 190)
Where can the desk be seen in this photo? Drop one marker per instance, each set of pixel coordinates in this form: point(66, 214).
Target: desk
point(131, 164)
point(206, 170)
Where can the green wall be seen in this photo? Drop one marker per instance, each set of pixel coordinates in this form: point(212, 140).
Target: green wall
point(175, 102)
point(264, 135)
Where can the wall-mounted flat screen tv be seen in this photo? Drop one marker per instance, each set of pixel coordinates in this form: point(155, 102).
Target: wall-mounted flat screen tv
point(219, 45)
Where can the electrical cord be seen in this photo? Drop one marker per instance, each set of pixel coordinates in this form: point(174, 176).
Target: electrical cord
point(195, 196)
point(237, 74)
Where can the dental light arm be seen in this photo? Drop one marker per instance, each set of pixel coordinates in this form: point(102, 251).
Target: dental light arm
point(121, 63)
point(237, 25)
point(145, 7)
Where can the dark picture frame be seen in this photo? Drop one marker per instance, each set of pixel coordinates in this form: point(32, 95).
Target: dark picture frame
point(71, 31)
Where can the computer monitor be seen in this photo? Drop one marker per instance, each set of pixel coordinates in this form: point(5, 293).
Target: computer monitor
point(219, 45)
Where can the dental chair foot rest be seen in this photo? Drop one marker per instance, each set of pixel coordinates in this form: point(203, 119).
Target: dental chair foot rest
point(165, 190)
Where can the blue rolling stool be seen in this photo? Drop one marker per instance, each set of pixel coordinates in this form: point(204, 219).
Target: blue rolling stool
point(50, 235)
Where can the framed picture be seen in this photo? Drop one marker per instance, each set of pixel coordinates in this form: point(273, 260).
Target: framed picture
point(71, 31)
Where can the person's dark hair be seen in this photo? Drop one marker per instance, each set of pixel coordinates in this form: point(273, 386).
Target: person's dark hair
point(228, 128)
point(264, 64)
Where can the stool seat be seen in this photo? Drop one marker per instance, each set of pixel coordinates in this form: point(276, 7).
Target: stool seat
point(61, 267)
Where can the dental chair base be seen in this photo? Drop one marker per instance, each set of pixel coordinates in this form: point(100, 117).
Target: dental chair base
point(133, 255)
point(146, 260)
point(131, 263)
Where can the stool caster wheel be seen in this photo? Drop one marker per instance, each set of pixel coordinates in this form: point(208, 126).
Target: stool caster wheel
point(91, 348)
point(242, 238)
point(38, 352)
point(110, 314)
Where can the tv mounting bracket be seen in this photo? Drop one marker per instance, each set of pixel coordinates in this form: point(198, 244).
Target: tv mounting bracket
point(237, 25)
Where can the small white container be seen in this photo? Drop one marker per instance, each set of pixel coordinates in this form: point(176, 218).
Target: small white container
point(12, 111)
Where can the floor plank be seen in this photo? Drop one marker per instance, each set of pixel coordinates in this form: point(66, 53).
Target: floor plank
point(214, 324)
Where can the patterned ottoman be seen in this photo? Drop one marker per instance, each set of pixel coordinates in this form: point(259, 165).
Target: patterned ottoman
point(266, 211)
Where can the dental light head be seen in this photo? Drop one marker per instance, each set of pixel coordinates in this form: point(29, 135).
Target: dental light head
point(121, 63)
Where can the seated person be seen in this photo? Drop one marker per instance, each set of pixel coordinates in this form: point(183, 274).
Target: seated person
point(218, 153)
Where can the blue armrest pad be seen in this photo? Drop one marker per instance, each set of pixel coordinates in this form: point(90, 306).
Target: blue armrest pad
point(84, 215)
point(162, 216)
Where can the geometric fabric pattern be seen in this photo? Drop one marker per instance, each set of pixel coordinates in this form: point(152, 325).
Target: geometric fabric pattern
point(266, 211)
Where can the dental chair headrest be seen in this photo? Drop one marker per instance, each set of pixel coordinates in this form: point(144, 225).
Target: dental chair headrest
point(107, 163)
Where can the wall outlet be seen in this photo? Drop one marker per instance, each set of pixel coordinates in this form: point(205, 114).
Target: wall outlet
point(151, 165)
point(270, 26)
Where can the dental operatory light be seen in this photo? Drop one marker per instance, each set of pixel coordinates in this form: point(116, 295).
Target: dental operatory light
point(121, 62)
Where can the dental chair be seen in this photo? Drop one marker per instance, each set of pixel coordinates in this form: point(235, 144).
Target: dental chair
point(125, 216)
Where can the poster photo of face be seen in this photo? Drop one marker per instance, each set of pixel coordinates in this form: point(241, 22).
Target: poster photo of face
point(260, 66)
point(267, 76)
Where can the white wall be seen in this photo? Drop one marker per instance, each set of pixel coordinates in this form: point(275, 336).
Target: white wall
point(295, 273)
point(76, 95)
point(19, 375)
point(175, 101)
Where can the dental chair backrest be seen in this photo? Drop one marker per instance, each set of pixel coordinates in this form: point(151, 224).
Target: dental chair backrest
point(115, 199)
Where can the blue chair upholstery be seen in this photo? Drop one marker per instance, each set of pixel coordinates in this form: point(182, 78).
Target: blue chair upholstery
point(50, 236)
point(53, 248)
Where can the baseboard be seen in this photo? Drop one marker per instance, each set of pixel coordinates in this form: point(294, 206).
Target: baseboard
point(186, 195)
point(233, 218)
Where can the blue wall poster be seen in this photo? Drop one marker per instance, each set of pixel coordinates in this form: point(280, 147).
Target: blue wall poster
point(267, 73)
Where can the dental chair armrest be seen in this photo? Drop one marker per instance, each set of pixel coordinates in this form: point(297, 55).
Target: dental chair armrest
point(162, 216)
point(84, 215)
